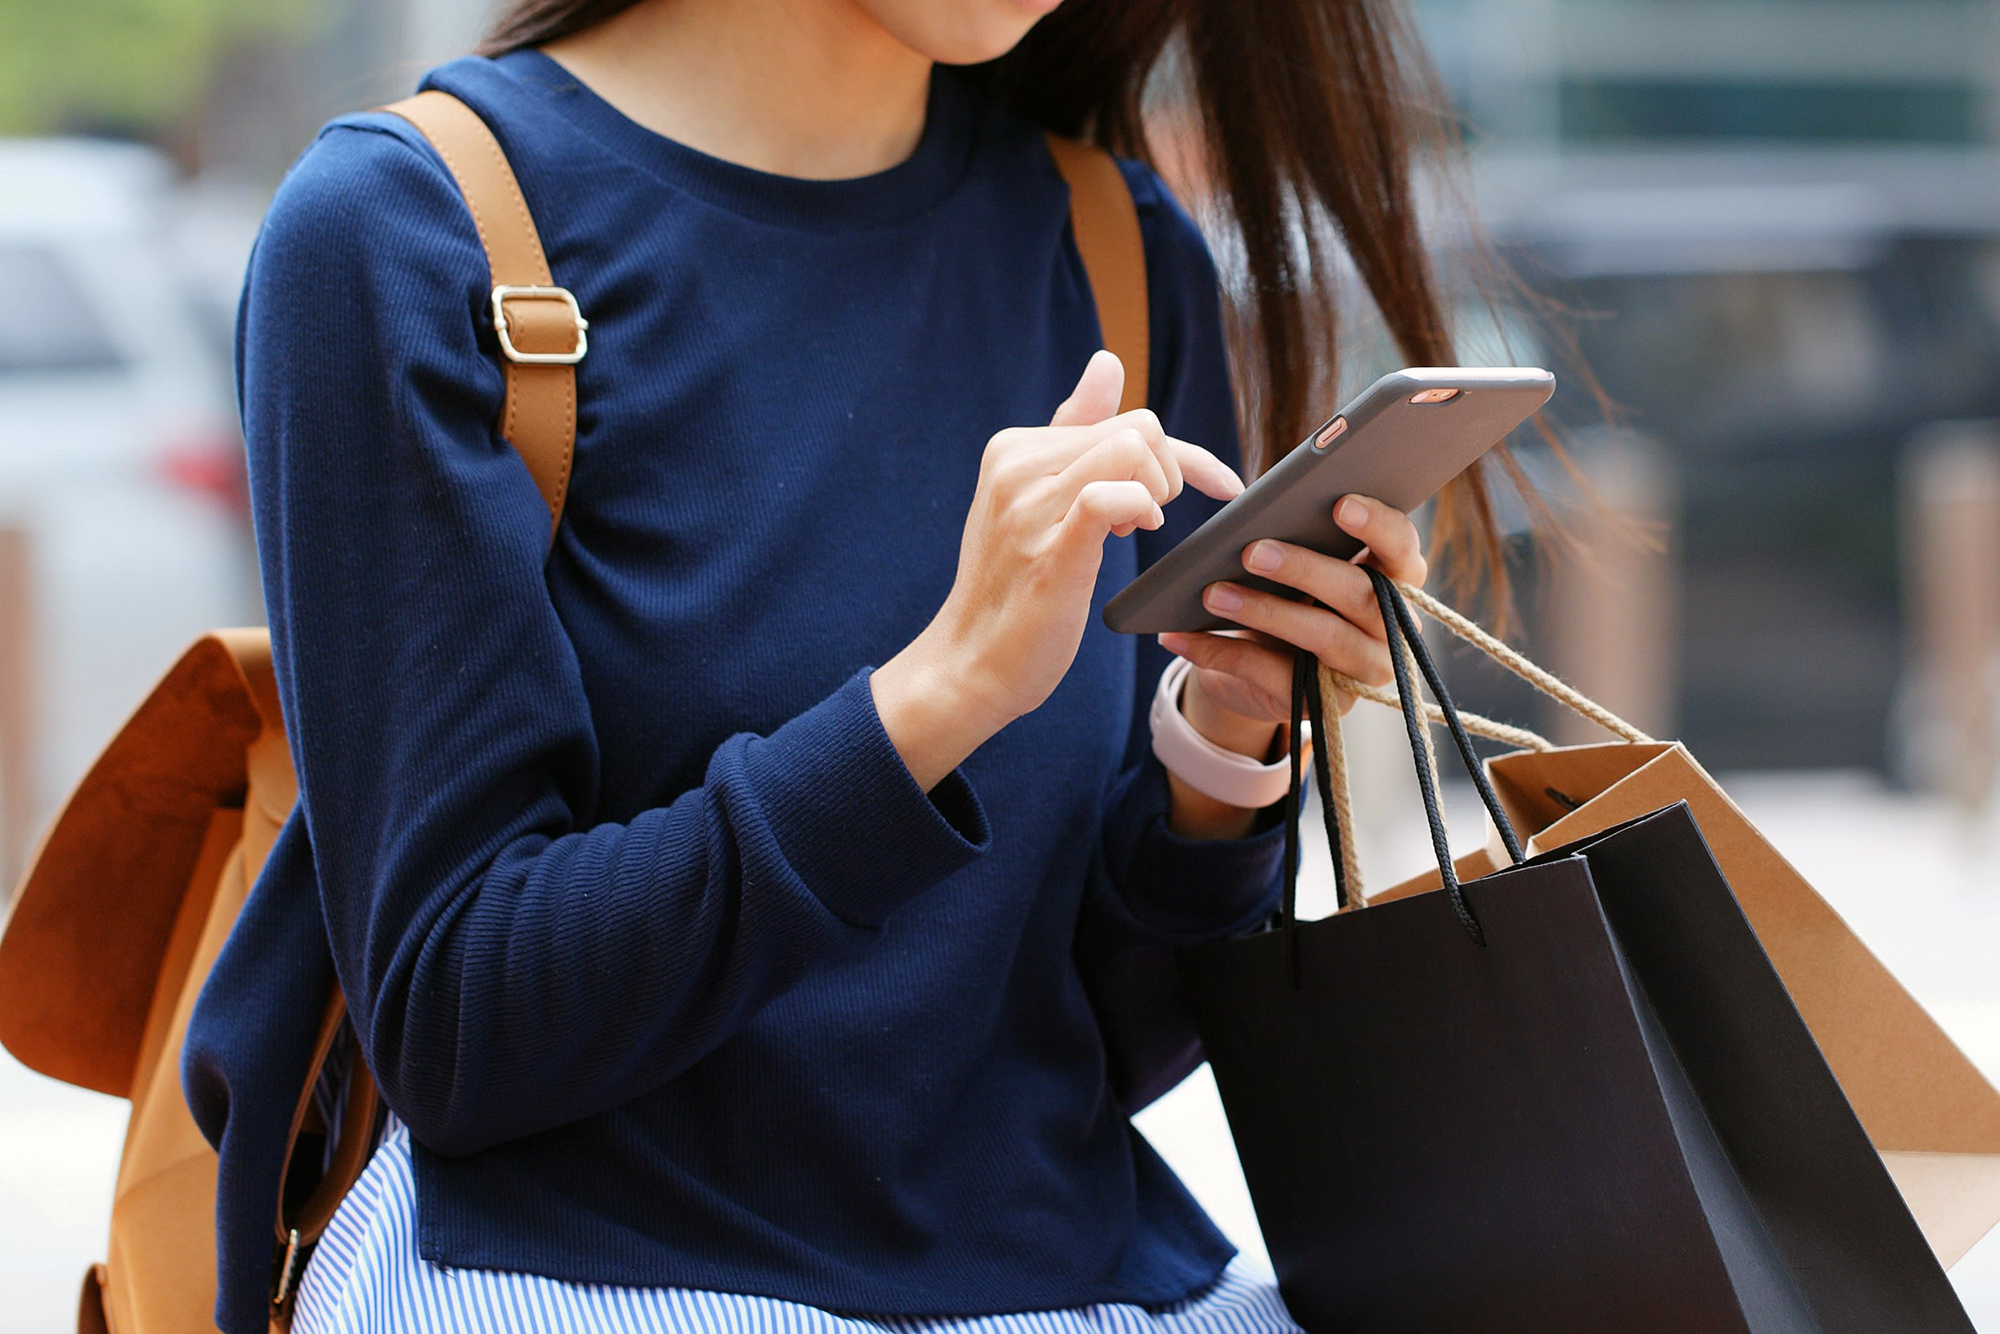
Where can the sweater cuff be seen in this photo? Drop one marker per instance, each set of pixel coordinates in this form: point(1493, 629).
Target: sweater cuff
point(1192, 890)
point(850, 817)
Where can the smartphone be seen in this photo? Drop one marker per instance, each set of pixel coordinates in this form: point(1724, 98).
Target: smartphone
point(1401, 440)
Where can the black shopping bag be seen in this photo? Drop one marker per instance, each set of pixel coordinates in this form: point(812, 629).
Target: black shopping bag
point(1569, 1096)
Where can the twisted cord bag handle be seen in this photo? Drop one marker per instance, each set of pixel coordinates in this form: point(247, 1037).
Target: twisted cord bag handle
point(1543, 680)
point(1334, 778)
point(1404, 642)
point(1539, 677)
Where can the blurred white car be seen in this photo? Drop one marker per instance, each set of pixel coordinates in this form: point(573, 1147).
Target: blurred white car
point(119, 452)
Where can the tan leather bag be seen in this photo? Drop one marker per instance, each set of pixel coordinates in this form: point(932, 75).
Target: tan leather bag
point(134, 888)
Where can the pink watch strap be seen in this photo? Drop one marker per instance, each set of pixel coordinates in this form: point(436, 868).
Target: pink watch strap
point(1212, 770)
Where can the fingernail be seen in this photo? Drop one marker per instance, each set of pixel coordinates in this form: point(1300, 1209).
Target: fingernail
point(1352, 513)
point(1222, 597)
point(1173, 641)
point(1159, 517)
point(1263, 557)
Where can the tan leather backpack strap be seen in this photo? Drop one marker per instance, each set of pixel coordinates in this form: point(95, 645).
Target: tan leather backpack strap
point(1106, 223)
point(542, 336)
point(299, 1233)
point(542, 332)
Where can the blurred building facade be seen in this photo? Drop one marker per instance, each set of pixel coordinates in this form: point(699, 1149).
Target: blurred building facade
point(1778, 222)
point(1560, 74)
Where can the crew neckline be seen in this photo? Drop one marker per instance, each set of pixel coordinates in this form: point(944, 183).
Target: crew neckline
point(911, 187)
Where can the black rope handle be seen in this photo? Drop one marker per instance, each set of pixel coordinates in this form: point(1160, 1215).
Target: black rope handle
point(1288, 910)
point(1413, 725)
point(1323, 775)
point(1305, 689)
point(1413, 635)
point(1405, 640)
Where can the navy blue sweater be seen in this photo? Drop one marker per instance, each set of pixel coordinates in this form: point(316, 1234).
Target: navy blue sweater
point(675, 973)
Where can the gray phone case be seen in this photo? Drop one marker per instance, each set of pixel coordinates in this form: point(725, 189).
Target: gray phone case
point(1397, 451)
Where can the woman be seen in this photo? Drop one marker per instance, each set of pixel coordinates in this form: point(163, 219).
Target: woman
point(748, 906)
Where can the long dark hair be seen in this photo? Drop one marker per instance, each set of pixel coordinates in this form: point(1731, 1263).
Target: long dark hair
point(1310, 117)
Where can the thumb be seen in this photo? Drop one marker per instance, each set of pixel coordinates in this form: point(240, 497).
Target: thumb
point(1096, 395)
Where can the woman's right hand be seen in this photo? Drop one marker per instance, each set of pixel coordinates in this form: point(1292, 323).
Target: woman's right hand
point(1047, 498)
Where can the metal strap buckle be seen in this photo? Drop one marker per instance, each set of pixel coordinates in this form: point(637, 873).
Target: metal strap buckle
point(503, 294)
point(288, 1272)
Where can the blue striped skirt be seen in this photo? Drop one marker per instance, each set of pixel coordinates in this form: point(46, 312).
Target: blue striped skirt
point(366, 1277)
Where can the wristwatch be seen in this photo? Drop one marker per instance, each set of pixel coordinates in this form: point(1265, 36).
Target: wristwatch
point(1216, 771)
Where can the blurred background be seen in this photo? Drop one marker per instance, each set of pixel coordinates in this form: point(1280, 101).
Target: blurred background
point(1774, 225)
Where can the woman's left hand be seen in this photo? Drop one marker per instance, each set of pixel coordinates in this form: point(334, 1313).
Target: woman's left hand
point(1243, 681)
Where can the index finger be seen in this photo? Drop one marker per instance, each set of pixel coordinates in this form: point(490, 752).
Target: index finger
point(1205, 472)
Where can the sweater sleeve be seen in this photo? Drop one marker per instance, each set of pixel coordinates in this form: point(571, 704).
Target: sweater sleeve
point(511, 963)
point(1165, 892)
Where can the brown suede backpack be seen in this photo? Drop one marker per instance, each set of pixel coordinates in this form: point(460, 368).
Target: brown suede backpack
point(134, 888)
